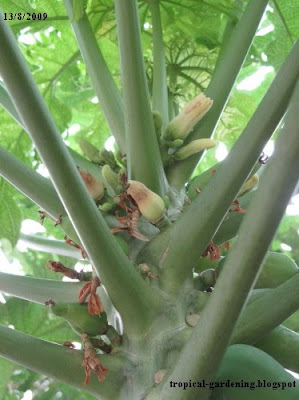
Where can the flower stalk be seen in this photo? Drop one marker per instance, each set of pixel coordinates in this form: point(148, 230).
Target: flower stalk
point(143, 154)
point(160, 94)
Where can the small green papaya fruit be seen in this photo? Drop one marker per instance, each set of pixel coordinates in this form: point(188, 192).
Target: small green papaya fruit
point(277, 268)
point(293, 322)
point(79, 318)
point(283, 345)
point(247, 365)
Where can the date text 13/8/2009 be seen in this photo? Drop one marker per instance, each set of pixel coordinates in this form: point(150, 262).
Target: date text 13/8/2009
point(25, 16)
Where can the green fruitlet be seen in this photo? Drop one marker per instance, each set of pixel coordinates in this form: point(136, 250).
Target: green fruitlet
point(79, 318)
point(293, 322)
point(277, 268)
point(112, 181)
point(283, 345)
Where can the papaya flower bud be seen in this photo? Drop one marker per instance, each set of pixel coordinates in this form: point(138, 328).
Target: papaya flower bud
point(106, 207)
point(157, 123)
point(183, 123)
point(94, 185)
point(194, 147)
point(150, 204)
point(112, 181)
point(248, 185)
point(90, 151)
point(175, 143)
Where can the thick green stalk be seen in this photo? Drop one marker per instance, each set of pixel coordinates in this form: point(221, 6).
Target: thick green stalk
point(231, 224)
point(61, 363)
point(160, 95)
point(212, 334)
point(36, 187)
point(171, 112)
point(40, 290)
point(229, 29)
point(144, 159)
point(267, 313)
point(7, 104)
point(136, 302)
point(202, 218)
point(51, 246)
point(221, 84)
point(40, 190)
point(100, 76)
point(84, 164)
point(283, 345)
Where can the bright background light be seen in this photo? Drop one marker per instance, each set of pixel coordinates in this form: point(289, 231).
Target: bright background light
point(253, 81)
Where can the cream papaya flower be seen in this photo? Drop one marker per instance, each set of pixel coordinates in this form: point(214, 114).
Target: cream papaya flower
point(94, 185)
point(248, 185)
point(194, 147)
point(150, 204)
point(183, 123)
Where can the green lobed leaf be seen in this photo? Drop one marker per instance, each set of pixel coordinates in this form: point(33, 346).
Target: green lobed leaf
point(35, 320)
point(6, 371)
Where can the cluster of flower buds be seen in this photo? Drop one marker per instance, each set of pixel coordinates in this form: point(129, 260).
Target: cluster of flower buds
point(97, 156)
